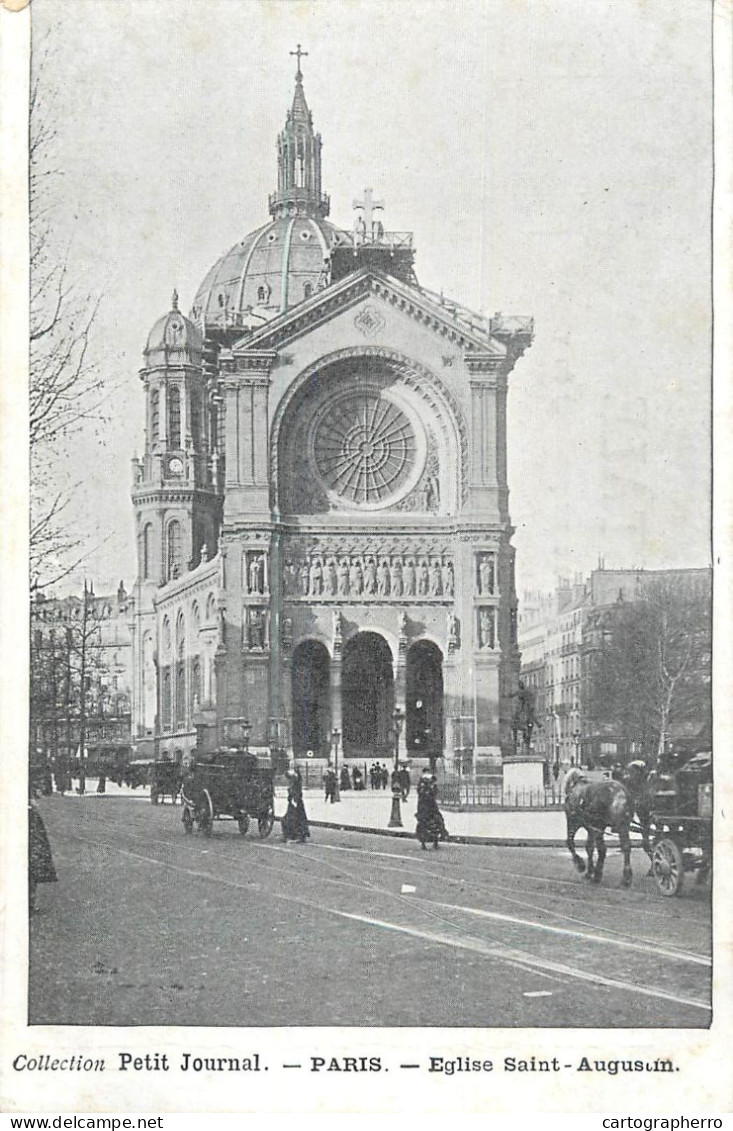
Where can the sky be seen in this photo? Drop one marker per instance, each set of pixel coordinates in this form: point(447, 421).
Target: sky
point(552, 157)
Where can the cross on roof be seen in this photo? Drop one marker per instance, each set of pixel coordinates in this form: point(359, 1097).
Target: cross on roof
point(370, 206)
point(299, 53)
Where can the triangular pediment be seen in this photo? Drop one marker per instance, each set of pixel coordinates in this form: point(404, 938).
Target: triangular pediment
point(444, 320)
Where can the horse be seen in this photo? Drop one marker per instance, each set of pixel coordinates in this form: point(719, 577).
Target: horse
point(596, 806)
point(640, 787)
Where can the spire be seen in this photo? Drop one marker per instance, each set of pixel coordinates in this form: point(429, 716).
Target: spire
point(299, 160)
point(174, 300)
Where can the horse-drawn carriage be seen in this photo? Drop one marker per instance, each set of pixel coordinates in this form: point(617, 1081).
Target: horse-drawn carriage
point(681, 823)
point(166, 778)
point(228, 784)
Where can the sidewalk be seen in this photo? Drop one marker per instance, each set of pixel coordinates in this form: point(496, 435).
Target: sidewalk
point(369, 811)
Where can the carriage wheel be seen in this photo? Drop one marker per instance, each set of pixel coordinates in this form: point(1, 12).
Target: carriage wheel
point(668, 866)
point(264, 825)
point(206, 818)
point(187, 820)
point(243, 823)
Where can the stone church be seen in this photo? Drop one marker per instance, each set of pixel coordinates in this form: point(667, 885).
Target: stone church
point(321, 509)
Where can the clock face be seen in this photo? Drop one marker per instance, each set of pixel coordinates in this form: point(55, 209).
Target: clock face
point(175, 466)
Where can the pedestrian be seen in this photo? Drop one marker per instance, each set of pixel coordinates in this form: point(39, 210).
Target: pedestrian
point(430, 823)
point(41, 868)
point(345, 781)
point(329, 781)
point(404, 780)
point(102, 782)
point(358, 778)
point(295, 821)
point(385, 777)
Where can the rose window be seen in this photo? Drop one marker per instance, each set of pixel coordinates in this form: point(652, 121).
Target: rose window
point(366, 448)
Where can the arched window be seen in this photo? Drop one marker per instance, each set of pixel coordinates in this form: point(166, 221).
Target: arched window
point(174, 417)
point(196, 417)
point(210, 608)
point(173, 556)
point(147, 549)
point(154, 416)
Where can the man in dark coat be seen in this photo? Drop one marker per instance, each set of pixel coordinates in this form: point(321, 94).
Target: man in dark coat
point(329, 781)
point(295, 821)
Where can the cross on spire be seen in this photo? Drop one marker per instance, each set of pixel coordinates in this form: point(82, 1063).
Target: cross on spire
point(299, 53)
point(369, 206)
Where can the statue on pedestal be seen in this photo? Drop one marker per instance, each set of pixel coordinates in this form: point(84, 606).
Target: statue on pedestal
point(524, 718)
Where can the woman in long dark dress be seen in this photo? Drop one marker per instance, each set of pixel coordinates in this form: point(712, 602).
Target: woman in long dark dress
point(430, 823)
point(295, 821)
point(41, 869)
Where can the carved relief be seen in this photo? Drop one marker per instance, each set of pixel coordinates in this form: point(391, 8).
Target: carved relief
point(487, 627)
point(486, 574)
point(256, 636)
point(368, 573)
point(255, 572)
point(370, 322)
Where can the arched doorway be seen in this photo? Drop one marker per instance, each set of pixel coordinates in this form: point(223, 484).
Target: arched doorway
point(367, 696)
point(310, 698)
point(424, 700)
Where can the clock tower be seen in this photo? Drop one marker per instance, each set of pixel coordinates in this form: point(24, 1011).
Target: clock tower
point(175, 490)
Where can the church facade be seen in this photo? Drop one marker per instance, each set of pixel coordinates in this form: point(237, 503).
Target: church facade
point(323, 534)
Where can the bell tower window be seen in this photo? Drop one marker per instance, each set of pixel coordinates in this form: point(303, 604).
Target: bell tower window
point(174, 550)
point(174, 417)
point(154, 416)
point(147, 549)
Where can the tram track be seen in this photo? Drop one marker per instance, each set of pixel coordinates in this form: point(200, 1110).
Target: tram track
point(443, 916)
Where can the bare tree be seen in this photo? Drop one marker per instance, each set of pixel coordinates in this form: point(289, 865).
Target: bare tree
point(648, 679)
point(65, 388)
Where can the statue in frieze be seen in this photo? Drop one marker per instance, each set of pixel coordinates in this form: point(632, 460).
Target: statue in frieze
point(409, 578)
point(330, 578)
point(436, 579)
point(356, 578)
point(383, 579)
point(423, 578)
point(370, 577)
point(395, 577)
point(315, 578)
point(343, 578)
point(302, 576)
point(448, 579)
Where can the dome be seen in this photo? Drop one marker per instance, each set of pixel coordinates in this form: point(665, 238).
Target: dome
point(174, 339)
point(273, 268)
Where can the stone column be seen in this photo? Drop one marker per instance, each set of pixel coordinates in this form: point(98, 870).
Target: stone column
point(337, 719)
point(400, 684)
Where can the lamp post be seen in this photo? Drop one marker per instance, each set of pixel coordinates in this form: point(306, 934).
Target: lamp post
point(335, 736)
point(398, 717)
point(395, 817)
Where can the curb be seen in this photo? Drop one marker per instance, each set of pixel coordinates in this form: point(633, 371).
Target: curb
point(505, 842)
point(489, 841)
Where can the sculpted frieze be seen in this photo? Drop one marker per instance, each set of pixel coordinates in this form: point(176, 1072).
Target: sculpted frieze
point(333, 572)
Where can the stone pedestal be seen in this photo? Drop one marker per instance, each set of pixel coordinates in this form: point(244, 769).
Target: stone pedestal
point(521, 774)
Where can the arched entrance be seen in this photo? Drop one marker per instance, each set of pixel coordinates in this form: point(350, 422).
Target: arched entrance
point(367, 696)
point(310, 699)
point(424, 700)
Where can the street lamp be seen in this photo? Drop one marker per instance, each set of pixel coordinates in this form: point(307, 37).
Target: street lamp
point(398, 717)
point(335, 736)
point(395, 817)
